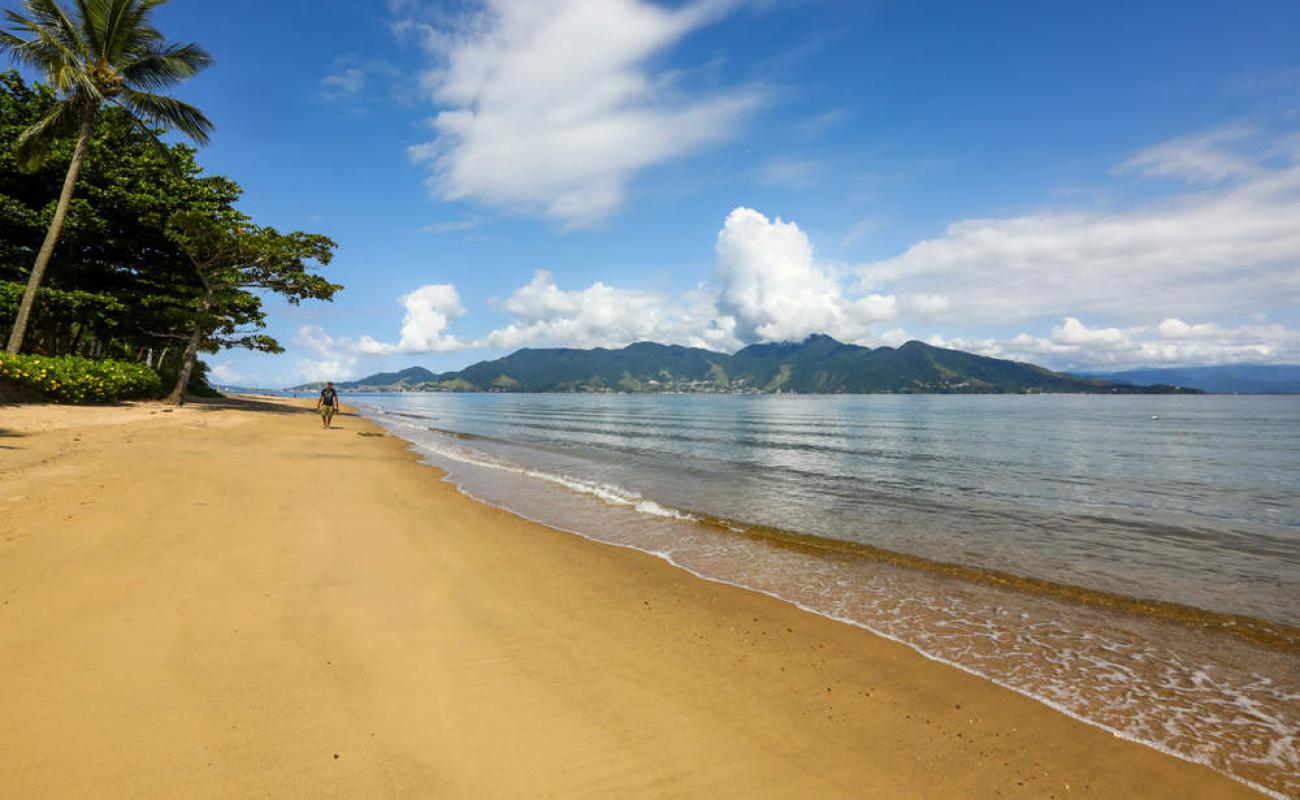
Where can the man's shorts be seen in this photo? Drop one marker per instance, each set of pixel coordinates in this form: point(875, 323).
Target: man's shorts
point(327, 411)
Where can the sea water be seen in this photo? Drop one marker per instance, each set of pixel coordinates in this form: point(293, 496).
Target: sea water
point(1151, 544)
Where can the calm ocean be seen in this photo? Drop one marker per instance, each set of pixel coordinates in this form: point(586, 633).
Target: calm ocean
point(910, 516)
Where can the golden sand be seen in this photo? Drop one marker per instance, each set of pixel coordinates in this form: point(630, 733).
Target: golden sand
point(227, 601)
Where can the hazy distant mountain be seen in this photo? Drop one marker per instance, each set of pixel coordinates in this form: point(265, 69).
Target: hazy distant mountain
point(1227, 379)
point(819, 365)
point(407, 377)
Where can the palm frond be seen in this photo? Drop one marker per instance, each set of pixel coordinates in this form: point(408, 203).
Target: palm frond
point(160, 148)
point(50, 49)
point(43, 44)
point(128, 29)
point(33, 145)
point(23, 51)
point(168, 112)
point(106, 51)
point(113, 28)
point(55, 23)
point(90, 12)
point(167, 66)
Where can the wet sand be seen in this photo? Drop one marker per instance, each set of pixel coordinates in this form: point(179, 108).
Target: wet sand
point(226, 600)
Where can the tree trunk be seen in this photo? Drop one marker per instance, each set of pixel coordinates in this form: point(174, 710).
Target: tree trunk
point(76, 339)
point(177, 397)
point(52, 235)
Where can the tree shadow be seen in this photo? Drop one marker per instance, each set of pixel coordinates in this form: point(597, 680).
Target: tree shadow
point(6, 433)
point(244, 404)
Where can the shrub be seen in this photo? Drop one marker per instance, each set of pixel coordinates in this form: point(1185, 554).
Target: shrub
point(70, 379)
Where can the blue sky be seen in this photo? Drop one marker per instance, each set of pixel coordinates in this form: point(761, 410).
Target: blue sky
point(1080, 184)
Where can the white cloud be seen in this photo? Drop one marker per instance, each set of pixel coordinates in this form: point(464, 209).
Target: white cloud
point(333, 359)
point(352, 79)
point(775, 291)
point(1073, 345)
point(225, 373)
point(767, 286)
point(550, 107)
point(1233, 249)
point(343, 84)
point(1178, 330)
point(1135, 273)
point(316, 370)
point(1073, 333)
point(598, 316)
point(928, 306)
point(1201, 158)
point(429, 314)
point(893, 337)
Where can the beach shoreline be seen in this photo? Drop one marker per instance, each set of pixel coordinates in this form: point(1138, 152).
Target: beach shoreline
point(225, 600)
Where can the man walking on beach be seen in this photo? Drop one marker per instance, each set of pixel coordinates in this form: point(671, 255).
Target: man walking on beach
point(328, 403)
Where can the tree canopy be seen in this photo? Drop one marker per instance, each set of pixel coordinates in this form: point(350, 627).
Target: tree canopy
point(100, 54)
point(124, 284)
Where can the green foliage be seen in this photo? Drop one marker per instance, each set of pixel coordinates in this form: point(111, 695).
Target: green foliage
point(231, 256)
point(85, 316)
point(69, 379)
point(114, 243)
point(122, 283)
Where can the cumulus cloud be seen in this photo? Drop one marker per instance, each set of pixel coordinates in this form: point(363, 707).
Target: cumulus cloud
point(549, 107)
point(1093, 291)
point(429, 314)
point(775, 291)
point(1073, 333)
point(767, 286)
point(603, 316)
point(1230, 249)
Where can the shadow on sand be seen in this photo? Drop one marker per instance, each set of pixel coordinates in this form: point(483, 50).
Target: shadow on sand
point(244, 404)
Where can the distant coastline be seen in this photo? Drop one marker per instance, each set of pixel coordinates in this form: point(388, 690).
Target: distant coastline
point(818, 365)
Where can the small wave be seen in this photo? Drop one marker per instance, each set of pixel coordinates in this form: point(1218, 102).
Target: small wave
point(654, 509)
point(607, 493)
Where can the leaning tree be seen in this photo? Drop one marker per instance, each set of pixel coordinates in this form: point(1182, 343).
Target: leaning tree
point(235, 261)
point(103, 52)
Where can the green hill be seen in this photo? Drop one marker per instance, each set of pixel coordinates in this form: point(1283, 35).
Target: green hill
point(818, 365)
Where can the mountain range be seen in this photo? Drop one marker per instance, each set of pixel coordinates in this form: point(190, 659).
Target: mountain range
point(818, 365)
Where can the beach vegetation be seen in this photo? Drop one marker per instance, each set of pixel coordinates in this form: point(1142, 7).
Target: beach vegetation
point(71, 379)
point(231, 256)
point(94, 56)
point(123, 286)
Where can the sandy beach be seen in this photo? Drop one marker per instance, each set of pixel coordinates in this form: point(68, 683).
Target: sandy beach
point(227, 601)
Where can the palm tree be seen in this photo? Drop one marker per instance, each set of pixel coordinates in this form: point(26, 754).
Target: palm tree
point(105, 52)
